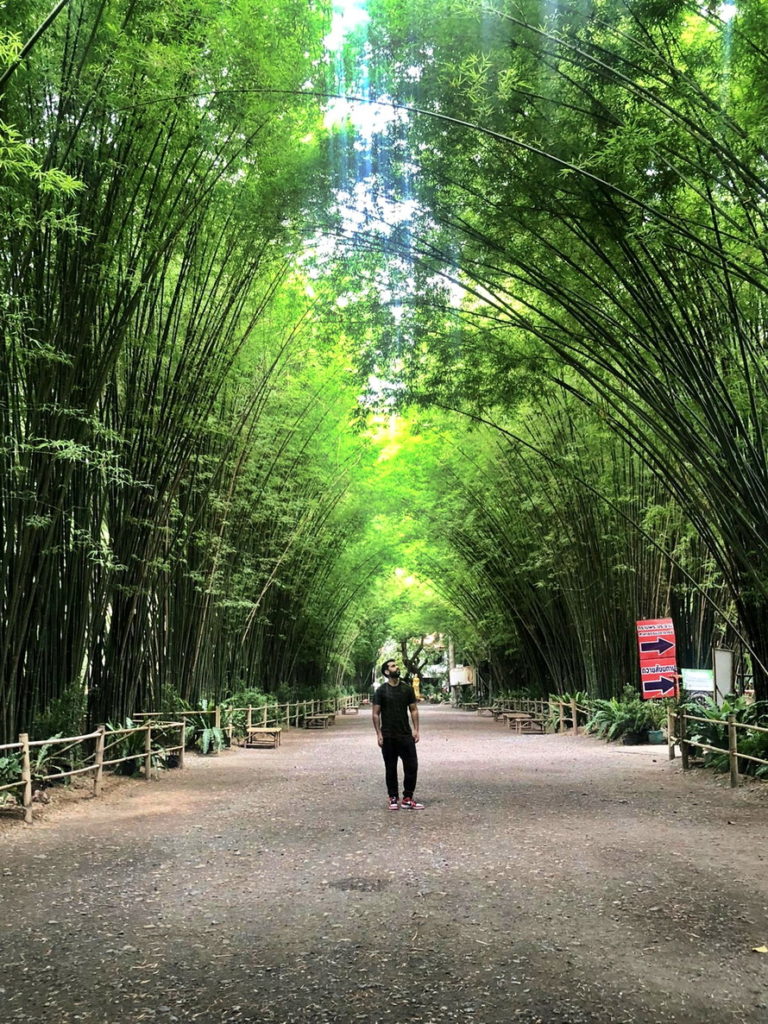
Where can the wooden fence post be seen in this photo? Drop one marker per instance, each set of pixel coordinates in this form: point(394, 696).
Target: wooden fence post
point(683, 739)
point(183, 742)
point(265, 716)
point(148, 754)
point(671, 726)
point(733, 751)
point(26, 777)
point(99, 761)
point(248, 719)
point(561, 724)
point(217, 717)
point(575, 716)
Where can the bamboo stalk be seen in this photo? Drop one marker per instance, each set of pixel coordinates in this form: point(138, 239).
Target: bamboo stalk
point(733, 750)
point(121, 760)
point(148, 754)
point(684, 753)
point(63, 739)
point(99, 761)
point(66, 775)
point(756, 760)
point(26, 777)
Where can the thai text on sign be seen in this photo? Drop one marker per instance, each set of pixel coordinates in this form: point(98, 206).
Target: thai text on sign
point(657, 648)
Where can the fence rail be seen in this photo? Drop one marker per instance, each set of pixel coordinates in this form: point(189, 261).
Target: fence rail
point(91, 762)
point(155, 724)
point(677, 732)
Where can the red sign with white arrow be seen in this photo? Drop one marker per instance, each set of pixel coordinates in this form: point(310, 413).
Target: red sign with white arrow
point(658, 658)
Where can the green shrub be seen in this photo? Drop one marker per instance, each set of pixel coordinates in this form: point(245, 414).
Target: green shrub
point(553, 715)
point(233, 708)
point(124, 746)
point(202, 733)
point(64, 716)
point(10, 769)
point(714, 733)
point(611, 719)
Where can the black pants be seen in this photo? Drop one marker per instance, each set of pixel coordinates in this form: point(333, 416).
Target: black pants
point(404, 748)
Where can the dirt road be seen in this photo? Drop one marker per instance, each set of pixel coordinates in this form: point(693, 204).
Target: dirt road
point(550, 879)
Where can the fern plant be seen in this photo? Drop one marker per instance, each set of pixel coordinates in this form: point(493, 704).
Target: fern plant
point(714, 732)
point(10, 769)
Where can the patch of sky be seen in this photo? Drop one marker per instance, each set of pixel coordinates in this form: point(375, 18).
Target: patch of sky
point(374, 194)
point(726, 12)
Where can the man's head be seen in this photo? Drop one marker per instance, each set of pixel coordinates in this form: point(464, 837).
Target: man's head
point(390, 669)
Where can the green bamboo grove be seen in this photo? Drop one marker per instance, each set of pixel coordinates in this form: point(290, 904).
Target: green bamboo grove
point(258, 363)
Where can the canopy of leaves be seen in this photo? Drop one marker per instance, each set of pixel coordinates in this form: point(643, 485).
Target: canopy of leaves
point(275, 392)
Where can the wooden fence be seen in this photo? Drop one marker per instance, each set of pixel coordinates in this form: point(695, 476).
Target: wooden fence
point(678, 733)
point(565, 712)
point(546, 710)
point(93, 757)
point(93, 761)
point(286, 715)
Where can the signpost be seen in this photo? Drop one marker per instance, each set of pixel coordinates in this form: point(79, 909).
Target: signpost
point(658, 658)
point(699, 682)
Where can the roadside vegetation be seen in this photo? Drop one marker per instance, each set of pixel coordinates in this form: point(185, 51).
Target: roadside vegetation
point(278, 389)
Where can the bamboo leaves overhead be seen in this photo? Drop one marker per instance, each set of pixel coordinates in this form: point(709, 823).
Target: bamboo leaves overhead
point(159, 405)
point(212, 303)
point(593, 177)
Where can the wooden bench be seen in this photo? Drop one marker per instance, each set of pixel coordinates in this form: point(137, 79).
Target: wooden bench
point(262, 736)
point(349, 711)
point(319, 721)
point(469, 706)
point(486, 710)
point(522, 721)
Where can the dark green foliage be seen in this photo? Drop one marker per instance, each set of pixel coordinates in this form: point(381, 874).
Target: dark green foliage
point(714, 732)
point(194, 503)
point(596, 185)
point(131, 745)
point(10, 768)
point(65, 716)
point(612, 719)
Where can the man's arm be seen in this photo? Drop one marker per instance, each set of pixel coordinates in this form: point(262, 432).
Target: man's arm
point(414, 709)
point(377, 723)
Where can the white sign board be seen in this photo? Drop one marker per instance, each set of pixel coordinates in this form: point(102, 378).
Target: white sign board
point(462, 675)
point(723, 662)
point(699, 681)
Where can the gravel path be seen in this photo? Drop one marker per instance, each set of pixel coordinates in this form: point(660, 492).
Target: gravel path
point(550, 879)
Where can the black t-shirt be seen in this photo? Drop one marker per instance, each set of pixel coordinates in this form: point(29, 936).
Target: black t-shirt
point(394, 702)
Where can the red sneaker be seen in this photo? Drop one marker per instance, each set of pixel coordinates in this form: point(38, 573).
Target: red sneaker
point(393, 804)
point(411, 804)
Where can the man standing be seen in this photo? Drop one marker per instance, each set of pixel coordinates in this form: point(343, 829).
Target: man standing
point(391, 703)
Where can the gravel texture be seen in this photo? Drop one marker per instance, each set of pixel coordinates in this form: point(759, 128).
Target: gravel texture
point(550, 880)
